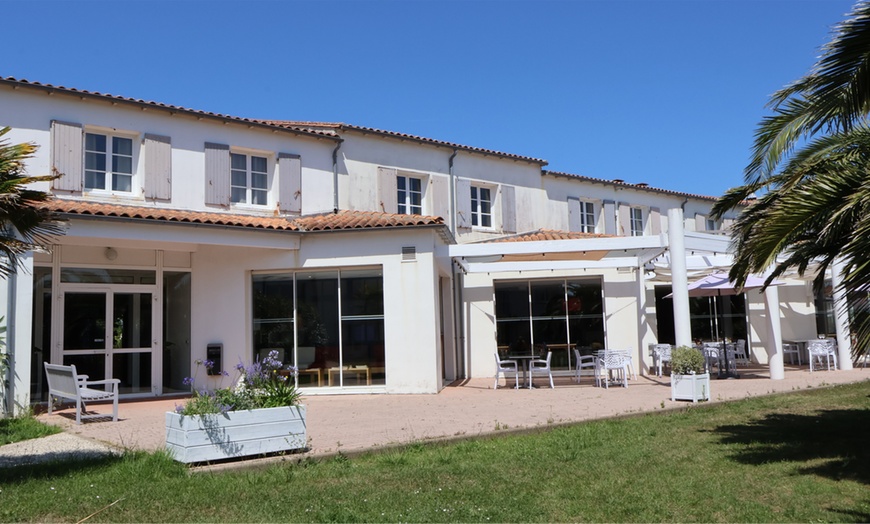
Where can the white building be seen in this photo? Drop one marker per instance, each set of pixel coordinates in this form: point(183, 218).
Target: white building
point(375, 261)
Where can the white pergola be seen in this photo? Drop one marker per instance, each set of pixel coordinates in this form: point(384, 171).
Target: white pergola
point(682, 253)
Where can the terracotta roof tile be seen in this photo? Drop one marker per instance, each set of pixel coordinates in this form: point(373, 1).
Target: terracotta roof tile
point(622, 183)
point(403, 136)
point(308, 130)
point(76, 207)
point(343, 220)
point(363, 220)
point(546, 234)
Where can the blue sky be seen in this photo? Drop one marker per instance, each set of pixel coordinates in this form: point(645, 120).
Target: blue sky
point(666, 92)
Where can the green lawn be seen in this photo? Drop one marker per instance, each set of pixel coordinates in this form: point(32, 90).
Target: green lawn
point(799, 457)
point(23, 428)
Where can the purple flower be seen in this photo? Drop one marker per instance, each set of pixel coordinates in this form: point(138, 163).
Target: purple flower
point(188, 381)
point(208, 364)
point(179, 409)
point(225, 373)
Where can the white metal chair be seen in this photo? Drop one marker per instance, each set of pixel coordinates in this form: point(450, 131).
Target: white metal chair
point(582, 362)
point(539, 365)
point(822, 349)
point(791, 350)
point(740, 354)
point(504, 367)
point(613, 361)
point(661, 354)
point(711, 353)
point(64, 382)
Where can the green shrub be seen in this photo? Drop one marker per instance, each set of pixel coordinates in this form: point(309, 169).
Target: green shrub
point(686, 361)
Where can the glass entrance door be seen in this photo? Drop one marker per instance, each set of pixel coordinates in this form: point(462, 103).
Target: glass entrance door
point(109, 333)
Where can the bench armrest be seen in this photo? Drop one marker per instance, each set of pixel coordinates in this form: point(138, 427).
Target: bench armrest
point(113, 381)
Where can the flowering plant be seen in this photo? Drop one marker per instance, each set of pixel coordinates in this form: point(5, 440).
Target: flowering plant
point(263, 384)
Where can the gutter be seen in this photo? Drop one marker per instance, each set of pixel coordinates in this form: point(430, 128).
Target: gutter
point(335, 176)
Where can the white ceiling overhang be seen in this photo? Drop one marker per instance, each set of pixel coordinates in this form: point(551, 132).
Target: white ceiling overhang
point(587, 253)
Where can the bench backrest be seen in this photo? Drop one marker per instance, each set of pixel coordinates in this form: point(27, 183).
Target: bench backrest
point(62, 379)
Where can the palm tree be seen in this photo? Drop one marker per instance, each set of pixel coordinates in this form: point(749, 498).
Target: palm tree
point(811, 163)
point(24, 224)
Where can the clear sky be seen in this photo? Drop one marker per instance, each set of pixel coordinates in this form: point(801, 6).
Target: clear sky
point(666, 92)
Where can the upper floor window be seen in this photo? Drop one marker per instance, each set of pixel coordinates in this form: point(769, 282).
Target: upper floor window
point(481, 207)
point(587, 217)
point(636, 218)
point(410, 195)
point(249, 179)
point(108, 163)
point(711, 225)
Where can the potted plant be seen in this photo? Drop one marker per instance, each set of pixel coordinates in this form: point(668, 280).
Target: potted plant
point(689, 381)
point(259, 414)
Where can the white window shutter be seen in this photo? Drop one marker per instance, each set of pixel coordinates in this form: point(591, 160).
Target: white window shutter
point(727, 223)
point(609, 207)
point(67, 155)
point(158, 167)
point(624, 219)
point(387, 190)
point(463, 203)
point(700, 222)
point(508, 209)
point(217, 174)
point(574, 223)
point(289, 183)
point(439, 197)
point(655, 221)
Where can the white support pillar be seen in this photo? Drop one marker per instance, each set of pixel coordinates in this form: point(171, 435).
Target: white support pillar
point(641, 318)
point(773, 344)
point(679, 278)
point(19, 324)
point(841, 317)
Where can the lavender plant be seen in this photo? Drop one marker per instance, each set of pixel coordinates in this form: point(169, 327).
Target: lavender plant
point(266, 383)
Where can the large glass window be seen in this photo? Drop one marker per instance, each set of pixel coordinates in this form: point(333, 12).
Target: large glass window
point(103, 151)
point(336, 319)
point(555, 315)
point(41, 332)
point(176, 331)
point(711, 318)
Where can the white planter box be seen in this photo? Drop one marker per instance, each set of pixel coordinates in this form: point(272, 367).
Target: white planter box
point(690, 387)
point(200, 438)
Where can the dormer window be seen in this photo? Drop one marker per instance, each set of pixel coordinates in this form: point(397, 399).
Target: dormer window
point(409, 195)
point(481, 207)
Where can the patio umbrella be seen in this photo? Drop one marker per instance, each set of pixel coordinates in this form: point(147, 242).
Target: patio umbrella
point(719, 284)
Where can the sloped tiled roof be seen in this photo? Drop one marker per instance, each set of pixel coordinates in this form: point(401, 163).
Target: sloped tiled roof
point(402, 136)
point(16, 83)
point(343, 220)
point(545, 234)
point(622, 183)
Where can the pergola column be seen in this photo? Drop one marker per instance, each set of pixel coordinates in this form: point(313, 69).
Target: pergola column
point(841, 317)
point(773, 344)
point(679, 278)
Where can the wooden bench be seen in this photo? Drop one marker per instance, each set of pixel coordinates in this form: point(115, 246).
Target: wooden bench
point(64, 382)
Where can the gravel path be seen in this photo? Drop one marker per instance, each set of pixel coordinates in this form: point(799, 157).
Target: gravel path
point(62, 446)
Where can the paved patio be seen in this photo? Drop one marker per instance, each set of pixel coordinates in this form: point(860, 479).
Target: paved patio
point(354, 423)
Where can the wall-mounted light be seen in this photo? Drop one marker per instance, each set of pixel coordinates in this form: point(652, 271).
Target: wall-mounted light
point(110, 253)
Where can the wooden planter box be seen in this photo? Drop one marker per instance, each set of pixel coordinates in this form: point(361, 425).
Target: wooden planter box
point(690, 387)
point(201, 438)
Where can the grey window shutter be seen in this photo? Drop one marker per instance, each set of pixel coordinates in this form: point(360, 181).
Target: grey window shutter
point(574, 223)
point(217, 174)
point(289, 183)
point(700, 222)
point(158, 167)
point(727, 223)
point(463, 203)
point(508, 209)
point(387, 190)
point(655, 221)
point(609, 217)
point(67, 157)
point(624, 212)
point(439, 196)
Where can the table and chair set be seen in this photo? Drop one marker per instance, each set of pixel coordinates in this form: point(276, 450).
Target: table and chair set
point(609, 366)
point(724, 356)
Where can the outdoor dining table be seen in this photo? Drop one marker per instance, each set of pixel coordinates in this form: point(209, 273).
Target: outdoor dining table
point(524, 362)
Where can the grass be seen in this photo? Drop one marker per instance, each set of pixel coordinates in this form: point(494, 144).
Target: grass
point(797, 457)
point(23, 428)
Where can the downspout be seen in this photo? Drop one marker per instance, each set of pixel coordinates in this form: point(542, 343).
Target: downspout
point(458, 317)
point(335, 176)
